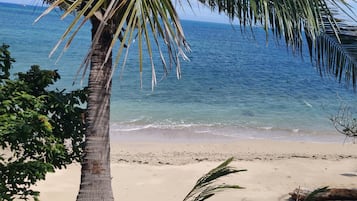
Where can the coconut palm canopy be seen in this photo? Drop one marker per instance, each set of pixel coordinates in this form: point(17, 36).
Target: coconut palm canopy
point(332, 45)
point(130, 20)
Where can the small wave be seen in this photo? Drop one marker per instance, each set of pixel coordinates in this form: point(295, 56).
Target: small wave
point(202, 131)
point(307, 104)
point(136, 120)
point(118, 128)
point(137, 126)
point(266, 128)
point(235, 131)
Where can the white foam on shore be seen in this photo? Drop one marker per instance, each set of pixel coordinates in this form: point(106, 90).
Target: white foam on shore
point(211, 131)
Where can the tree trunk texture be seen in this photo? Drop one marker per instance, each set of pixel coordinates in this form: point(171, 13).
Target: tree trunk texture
point(95, 173)
point(330, 194)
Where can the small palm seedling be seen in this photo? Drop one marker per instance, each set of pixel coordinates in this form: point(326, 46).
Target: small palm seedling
point(207, 186)
point(324, 193)
point(312, 196)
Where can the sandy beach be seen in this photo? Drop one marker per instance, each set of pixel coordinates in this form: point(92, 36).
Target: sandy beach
point(167, 170)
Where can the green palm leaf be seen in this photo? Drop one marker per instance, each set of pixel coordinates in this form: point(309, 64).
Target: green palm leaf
point(130, 20)
point(311, 196)
point(284, 18)
point(332, 44)
point(206, 186)
point(337, 56)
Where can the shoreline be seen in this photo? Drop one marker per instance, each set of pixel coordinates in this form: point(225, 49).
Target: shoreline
point(183, 133)
point(168, 169)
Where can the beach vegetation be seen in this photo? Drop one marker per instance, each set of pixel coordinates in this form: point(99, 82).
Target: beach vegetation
point(306, 195)
point(324, 193)
point(345, 122)
point(312, 196)
point(40, 129)
point(207, 186)
point(155, 24)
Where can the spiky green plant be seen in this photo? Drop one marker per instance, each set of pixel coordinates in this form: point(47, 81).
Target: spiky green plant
point(311, 196)
point(207, 186)
point(149, 23)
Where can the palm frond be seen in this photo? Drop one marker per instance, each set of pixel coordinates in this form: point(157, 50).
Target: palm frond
point(332, 44)
point(284, 18)
point(337, 56)
point(130, 21)
point(206, 186)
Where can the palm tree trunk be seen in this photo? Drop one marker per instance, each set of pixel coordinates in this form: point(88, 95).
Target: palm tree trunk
point(95, 173)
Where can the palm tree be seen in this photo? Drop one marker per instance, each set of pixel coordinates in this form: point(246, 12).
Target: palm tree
point(113, 20)
point(155, 22)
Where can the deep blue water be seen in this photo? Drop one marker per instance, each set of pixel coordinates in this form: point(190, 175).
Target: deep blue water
point(233, 84)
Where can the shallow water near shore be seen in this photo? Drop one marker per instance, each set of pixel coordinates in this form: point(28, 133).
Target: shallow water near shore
point(232, 86)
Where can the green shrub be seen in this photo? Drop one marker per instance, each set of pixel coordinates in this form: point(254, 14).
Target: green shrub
point(40, 129)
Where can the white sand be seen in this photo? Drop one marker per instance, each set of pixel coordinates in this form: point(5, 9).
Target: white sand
point(166, 171)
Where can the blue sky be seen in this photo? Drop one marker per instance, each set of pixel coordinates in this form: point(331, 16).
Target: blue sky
point(198, 12)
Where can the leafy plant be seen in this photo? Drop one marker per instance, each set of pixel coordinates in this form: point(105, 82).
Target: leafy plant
point(40, 129)
point(5, 61)
point(307, 195)
point(206, 186)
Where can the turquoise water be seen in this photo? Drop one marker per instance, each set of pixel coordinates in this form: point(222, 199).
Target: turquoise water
point(233, 85)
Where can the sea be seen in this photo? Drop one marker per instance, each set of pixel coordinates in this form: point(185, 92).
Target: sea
point(236, 84)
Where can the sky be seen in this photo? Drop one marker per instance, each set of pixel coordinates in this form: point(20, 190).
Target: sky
point(197, 13)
